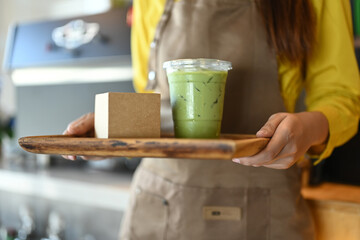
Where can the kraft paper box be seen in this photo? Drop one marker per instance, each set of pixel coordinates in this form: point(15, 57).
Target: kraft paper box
point(127, 115)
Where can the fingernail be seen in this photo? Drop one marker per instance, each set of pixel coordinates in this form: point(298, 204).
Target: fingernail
point(73, 158)
point(236, 160)
point(261, 132)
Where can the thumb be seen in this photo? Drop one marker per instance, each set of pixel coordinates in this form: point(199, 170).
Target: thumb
point(82, 125)
point(271, 125)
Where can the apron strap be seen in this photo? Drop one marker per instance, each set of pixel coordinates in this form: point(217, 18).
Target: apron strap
point(152, 64)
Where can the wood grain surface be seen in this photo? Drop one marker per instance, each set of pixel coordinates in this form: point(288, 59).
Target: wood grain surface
point(225, 148)
point(332, 191)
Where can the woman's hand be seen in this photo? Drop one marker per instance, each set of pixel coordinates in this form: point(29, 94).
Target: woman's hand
point(292, 135)
point(83, 126)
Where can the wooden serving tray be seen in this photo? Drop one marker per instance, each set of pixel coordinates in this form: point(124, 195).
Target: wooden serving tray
point(227, 147)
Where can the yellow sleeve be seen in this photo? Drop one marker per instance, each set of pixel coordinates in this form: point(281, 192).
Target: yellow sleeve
point(146, 14)
point(332, 80)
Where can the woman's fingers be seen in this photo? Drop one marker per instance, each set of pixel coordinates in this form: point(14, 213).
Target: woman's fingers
point(81, 126)
point(285, 159)
point(267, 155)
point(286, 132)
point(93, 158)
point(273, 148)
point(69, 157)
point(271, 125)
point(283, 163)
point(291, 136)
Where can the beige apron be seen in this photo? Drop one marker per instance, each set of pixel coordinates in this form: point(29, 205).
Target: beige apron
point(210, 199)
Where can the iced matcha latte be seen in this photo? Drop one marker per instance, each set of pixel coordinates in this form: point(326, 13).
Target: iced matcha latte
point(197, 89)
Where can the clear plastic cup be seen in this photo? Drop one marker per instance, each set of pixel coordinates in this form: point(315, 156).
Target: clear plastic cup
point(197, 90)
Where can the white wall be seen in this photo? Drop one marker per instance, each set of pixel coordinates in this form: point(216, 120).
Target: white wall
point(12, 11)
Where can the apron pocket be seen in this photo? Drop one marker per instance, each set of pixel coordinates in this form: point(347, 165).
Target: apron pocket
point(149, 218)
point(220, 213)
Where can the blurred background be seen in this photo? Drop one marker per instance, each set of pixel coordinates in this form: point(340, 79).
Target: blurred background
point(56, 55)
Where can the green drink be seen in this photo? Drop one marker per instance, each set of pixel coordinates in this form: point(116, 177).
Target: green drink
point(197, 89)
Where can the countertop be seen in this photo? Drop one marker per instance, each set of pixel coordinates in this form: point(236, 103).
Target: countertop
point(108, 190)
point(332, 191)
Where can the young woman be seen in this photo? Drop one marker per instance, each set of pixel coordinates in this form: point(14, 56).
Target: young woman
point(277, 49)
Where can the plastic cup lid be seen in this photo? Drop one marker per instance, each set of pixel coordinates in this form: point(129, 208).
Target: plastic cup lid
point(204, 63)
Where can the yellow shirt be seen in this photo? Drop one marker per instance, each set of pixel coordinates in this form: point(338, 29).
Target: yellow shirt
point(332, 81)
